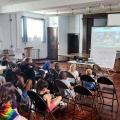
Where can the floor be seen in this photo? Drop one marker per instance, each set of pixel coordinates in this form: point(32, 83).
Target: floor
point(60, 114)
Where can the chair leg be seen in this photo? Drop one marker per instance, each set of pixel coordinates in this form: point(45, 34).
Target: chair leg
point(73, 111)
point(29, 115)
point(67, 108)
point(98, 111)
point(116, 98)
point(53, 116)
point(92, 113)
point(112, 103)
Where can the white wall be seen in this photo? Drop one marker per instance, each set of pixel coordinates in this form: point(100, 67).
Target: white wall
point(100, 21)
point(75, 25)
point(113, 20)
point(62, 37)
point(12, 33)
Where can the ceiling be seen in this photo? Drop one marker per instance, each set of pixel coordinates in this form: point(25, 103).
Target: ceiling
point(60, 7)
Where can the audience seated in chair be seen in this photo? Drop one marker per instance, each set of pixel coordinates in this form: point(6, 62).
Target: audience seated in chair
point(8, 104)
point(44, 92)
point(10, 63)
point(65, 92)
point(44, 76)
point(27, 67)
point(57, 67)
point(24, 86)
point(74, 72)
point(89, 85)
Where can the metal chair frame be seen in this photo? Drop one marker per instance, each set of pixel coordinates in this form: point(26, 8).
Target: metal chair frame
point(36, 98)
point(107, 90)
point(88, 100)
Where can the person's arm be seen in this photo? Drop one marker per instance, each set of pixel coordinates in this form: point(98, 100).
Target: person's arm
point(3, 80)
point(47, 98)
point(71, 87)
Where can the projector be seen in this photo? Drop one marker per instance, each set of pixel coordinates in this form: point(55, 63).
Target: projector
point(79, 59)
point(90, 60)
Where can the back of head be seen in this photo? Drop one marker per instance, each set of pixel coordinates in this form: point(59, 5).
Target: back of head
point(7, 91)
point(63, 75)
point(72, 67)
point(41, 84)
point(89, 72)
point(57, 66)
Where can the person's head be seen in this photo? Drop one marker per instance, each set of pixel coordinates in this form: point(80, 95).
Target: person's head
point(41, 86)
point(73, 67)
point(64, 75)
point(89, 72)
point(7, 91)
point(42, 73)
point(6, 58)
point(57, 66)
point(46, 66)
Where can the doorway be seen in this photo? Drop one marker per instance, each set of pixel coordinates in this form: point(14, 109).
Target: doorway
point(73, 43)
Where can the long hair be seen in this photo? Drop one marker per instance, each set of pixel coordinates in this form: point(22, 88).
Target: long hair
point(7, 91)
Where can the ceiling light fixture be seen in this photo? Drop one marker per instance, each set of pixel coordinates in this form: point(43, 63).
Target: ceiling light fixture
point(102, 6)
point(87, 8)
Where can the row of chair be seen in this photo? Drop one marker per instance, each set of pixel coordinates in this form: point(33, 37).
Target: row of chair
point(87, 99)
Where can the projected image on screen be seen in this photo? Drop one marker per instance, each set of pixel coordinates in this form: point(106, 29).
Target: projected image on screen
point(105, 38)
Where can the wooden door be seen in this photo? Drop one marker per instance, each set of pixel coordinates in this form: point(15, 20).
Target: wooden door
point(52, 36)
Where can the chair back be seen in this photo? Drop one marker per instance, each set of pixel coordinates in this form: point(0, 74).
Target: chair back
point(53, 71)
point(87, 78)
point(96, 67)
point(68, 74)
point(82, 90)
point(61, 85)
point(34, 96)
point(105, 80)
point(18, 95)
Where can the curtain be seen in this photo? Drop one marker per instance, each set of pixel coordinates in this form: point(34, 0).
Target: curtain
point(25, 37)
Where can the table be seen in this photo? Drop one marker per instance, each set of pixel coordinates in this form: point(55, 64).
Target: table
point(82, 64)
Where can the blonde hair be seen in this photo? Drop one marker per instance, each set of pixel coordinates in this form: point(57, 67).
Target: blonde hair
point(89, 72)
point(72, 67)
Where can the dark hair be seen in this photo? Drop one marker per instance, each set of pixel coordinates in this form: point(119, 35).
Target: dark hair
point(62, 73)
point(7, 91)
point(41, 84)
point(4, 63)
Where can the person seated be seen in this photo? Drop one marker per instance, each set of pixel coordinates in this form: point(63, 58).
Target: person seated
point(89, 85)
point(65, 92)
point(2, 78)
point(24, 86)
point(27, 68)
point(43, 75)
point(8, 104)
point(57, 67)
point(10, 63)
point(74, 72)
point(43, 91)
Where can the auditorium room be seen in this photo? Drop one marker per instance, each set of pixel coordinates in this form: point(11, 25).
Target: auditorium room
point(59, 59)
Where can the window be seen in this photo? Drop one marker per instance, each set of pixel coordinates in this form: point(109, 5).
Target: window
point(33, 29)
